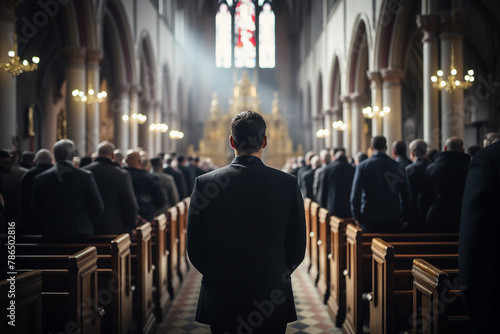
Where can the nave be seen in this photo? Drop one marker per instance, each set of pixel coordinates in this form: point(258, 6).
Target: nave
point(312, 313)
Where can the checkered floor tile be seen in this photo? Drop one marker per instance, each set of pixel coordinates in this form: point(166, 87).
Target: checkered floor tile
point(313, 315)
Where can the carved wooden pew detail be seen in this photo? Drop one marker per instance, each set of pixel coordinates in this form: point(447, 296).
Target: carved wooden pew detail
point(173, 247)
point(314, 270)
point(307, 211)
point(161, 295)
point(28, 303)
point(324, 254)
point(181, 236)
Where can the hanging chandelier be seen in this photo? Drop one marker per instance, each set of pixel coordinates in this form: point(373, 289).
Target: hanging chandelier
point(339, 125)
point(139, 118)
point(322, 133)
point(174, 134)
point(158, 127)
point(452, 82)
point(376, 112)
point(15, 66)
point(91, 97)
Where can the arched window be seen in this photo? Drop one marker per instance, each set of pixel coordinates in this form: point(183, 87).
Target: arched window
point(248, 28)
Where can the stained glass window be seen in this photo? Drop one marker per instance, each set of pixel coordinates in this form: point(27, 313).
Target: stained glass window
point(223, 37)
point(266, 37)
point(238, 25)
point(245, 49)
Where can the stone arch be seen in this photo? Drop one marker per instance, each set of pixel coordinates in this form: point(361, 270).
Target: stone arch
point(335, 108)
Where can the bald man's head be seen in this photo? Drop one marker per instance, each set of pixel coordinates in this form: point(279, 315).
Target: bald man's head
point(106, 150)
point(454, 144)
point(133, 160)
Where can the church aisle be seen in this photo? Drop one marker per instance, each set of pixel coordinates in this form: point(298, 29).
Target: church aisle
point(313, 315)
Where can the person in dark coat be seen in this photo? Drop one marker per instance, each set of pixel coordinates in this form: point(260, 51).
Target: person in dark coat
point(306, 166)
point(380, 200)
point(336, 186)
point(188, 174)
point(65, 199)
point(115, 187)
point(443, 188)
point(307, 179)
point(147, 190)
point(479, 249)
point(415, 177)
point(246, 234)
point(179, 180)
point(43, 161)
point(399, 153)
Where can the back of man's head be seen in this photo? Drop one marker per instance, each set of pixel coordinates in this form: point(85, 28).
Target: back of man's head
point(454, 144)
point(324, 156)
point(308, 156)
point(133, 160)
point(490, 138)
point(248, 130)
point(360, 157)
point(64, 149)
point(156, 164)
point(418, 147)
point(105, 150)
point(315, 162)
point(145, 164)
point(180, 159)
point(399, 148)
point(338, 149)
point(118, 156)
point(379, 143)
point(43, 157)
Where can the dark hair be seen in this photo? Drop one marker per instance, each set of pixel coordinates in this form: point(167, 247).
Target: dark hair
point(4, 154)
point(379, 143)
point(473, 149)
point(156, 163)
point(248, 129)
point(180, 159)
point(399, 148)
point(84, 161)
point(431, 153)
point(338, 149)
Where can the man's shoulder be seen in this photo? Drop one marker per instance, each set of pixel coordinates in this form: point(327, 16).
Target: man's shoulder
point(232, 170)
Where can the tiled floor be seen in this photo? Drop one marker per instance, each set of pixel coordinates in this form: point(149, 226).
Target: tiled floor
point(313, 315)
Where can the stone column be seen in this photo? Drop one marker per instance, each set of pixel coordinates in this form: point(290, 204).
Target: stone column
point(134, 109)
point(346, 115)
point(120, 107)
point(391, 97)
point(93, 83)
point(429, 24)
point(452, 104)
point(8, 125)
point(76, 111)
point(358, 122)
point(158, 134)
point(376, 89)
point(145, 136)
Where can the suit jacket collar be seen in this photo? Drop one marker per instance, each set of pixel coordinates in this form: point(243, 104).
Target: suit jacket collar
point(380, 154)
point(247, 160)
point(65, 163)
point(104, 160)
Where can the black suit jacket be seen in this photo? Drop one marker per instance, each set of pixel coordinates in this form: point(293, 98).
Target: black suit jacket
point(179, 181)
point(189, 177)
point(442, 191)
point(336, 187)
point(306, 184)
point(150, 198)
point(115, 187)
point(246, 235)
point(379, 195)
point(415, 177)
point(479, 249)
point(27, 182)
point(66, 202)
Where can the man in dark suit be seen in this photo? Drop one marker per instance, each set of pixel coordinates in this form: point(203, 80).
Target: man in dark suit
point(150, 198)
point(115, 187)
point(443, 188)
point(379, 196)
point(479, 249)
point(399, 153)
point(306, 180)
point(246, 235)
point(415, 177)
point(336, 186)
point(179, 180)
point(43, 161)
point(187, 172)
point(65, 199)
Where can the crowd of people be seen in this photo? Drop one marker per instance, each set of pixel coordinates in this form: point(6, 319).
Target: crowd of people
point(419, 193)
point(107, 193)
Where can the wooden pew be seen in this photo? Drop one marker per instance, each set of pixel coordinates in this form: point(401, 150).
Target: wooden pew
point(358, 268)
point(69, 290)
point(323, 254)
point(307, 211)
point(337, 258)
point(314, 269)
point(437, 303)
point(174, 282)
point(114, 271)
point(181, 236)
point(391, 298)
point(28, 303)
point(161, 252)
